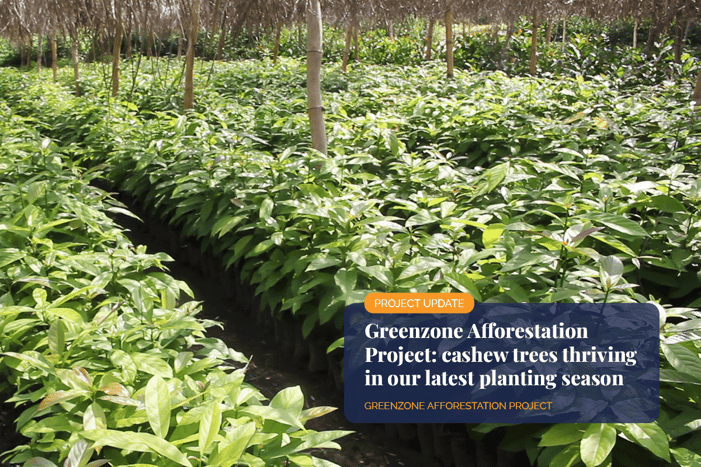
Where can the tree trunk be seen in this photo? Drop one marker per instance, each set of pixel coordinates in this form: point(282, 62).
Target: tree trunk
point(237, 27)
point(652, 36)
point(696, 97)
point(356, 45)
point(215, 23)
point(449, 39)
point(30, 46)
point(54, 55)
point(276, 50)
point(128, 34)
point(74, 58)
point(149, 44)
point(549, 32)
point(390, 29)
point(346, 47)
point(679, 28)
point(534, 46)
point(314, 54)
point(189, 99)
point(429, 38)
point(507, 40)
point(222, 38)
point(40, 49)
point(117, 47)
point(635, 33)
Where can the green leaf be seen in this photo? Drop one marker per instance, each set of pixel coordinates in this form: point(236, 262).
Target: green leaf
point(346, 280)
point(686, 457)
point(39, 462)
point(321, 262)
point(567, 457)
point(420, 266)
point(666, 203)
point(152, 364)
point(291, 399)
point(225, 224)
point(338, 343)
point(610, 271)
point(647, 435)
point(491, 179)
point(94, 417)
point(57, 337)
point(141, 442)
point(422, 218)
point(79, 454)
point(597, 443)
point(562, 433)
point(618, 223)
point(266, 208)
point(682, 359)
point(61, 396)
point(315, 412)
point(230, 452)
point(209, 426)
point(157, 401)
point(491, 235)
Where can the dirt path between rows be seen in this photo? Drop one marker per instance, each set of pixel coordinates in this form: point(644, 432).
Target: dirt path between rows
point(271, 371)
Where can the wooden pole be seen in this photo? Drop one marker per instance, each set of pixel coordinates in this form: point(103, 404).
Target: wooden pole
point(314, 55)
point(189, 98)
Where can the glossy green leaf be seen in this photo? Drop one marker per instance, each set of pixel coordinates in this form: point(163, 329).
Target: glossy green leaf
point(231, 450)
point(133, 441)
point(596, 444)
point(210, 423)
point(647, 435)
point(157, 402)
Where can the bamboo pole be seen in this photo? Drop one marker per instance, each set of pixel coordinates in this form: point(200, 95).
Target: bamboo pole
point(314, 55)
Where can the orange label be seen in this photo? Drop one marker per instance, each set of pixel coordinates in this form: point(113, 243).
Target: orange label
point(419, 303)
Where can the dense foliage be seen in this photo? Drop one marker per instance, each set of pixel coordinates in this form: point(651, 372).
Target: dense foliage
point(582, 188)
point(101, 351)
